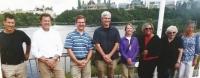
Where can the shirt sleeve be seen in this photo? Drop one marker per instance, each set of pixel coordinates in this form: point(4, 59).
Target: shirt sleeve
point(117, 37)
point(136, 49)
point(34, 46)
point(96, 37)
point(122, 49)
point(68, 42)
point(26, 38)
point(90, 45)
point(59, 44)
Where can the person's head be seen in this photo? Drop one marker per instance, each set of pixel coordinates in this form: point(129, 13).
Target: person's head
point(147, 28)
point(190, 27)
point(106, 19)
point(9, 23)
point(171, 32)
point(129, 29)
point(80, 22)
point(45, 21)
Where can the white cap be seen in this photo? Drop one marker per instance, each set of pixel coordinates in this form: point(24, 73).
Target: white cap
point(106, 13)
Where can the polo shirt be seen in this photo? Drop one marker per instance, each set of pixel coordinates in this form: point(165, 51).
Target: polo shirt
point(106, 37)
point(80, 44)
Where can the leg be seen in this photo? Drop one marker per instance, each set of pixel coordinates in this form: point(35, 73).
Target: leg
point(101, 68)
point(58, 71)
point(148, 69)
point(8, 71)
point(182, 70)
point(21, 70)
point(75, 70)
point(131, 72)
point(86, 72)
point(44, 70)
point(111, 68)
point(124, 71)
point(189, 70)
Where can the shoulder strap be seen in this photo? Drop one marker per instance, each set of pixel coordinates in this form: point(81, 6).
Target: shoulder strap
point(197, 44)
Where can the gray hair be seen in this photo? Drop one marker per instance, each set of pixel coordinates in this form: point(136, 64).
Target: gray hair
point(145, 25)
point(105, 13)
point(171, 28)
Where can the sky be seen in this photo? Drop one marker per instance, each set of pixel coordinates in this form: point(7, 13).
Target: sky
point(58, 5)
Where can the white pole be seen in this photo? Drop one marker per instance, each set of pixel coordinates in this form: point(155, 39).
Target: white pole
point(161, 17)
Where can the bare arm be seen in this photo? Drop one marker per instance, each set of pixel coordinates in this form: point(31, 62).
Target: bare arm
point(180, 55)
point(28, 48)
point(116, 46)
point(89, 55)
point(72, 56)
point(99, 49)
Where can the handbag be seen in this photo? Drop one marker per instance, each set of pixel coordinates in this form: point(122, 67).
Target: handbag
point(195, 72)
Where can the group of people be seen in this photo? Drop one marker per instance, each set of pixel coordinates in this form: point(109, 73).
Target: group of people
point(170, 54)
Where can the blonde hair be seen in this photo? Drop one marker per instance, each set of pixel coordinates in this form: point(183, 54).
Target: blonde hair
point(145, 25)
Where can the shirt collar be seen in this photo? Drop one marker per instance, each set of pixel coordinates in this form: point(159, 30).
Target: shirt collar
point(75, 31)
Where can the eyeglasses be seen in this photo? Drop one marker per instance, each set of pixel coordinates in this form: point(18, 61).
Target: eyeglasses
point(171, 32)
point(148, 28)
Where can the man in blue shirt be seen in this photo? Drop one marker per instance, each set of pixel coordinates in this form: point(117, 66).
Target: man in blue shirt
point(79, 46)
point(106, 39)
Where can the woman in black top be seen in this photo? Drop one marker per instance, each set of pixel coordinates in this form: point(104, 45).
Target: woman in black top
point(149, 51)
point(170, 56)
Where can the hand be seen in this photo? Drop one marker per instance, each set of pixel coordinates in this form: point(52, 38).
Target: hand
point(177, 65)
point(42, 59)
point(81, 63)
point(145, 52)
point(129, 61)
point(51, 63)
point(26, 57)
point(107, 58)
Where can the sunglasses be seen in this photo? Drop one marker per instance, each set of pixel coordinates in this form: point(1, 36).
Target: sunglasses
point(171, 32)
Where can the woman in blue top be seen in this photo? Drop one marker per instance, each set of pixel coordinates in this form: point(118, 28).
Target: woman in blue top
point(189, 52)
point(129, 48)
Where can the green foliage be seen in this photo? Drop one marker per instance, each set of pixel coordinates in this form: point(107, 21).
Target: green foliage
point(24, 19)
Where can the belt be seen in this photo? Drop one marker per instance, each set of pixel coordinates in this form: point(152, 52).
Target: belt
point(81, 58)
point(16, 63)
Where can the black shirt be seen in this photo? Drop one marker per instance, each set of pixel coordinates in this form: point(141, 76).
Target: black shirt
point(11, 47)
point(106, 37)
point(170, 52)
point(153, 47)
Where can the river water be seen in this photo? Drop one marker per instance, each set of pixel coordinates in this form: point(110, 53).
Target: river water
point(32, 69)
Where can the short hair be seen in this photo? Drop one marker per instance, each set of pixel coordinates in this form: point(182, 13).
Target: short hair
point(80, 17)
point(105, 13)
point(133, 26)
point(190, 22)
point(8, 15)
point(45, 15)
point(146, 24)
point(171, 28)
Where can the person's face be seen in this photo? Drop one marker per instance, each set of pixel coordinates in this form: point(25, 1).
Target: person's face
point(9, 24)
point(190, 29)
point(129, 30)
point(45, 23)
point(148, 30)
point(171, 34)
point(106, 20)
point(80, 23)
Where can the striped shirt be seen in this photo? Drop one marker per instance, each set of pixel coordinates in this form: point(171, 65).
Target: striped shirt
point(80, 44)
point(189, 44)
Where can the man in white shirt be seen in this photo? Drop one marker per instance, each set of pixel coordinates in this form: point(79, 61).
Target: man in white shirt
point(47, 48)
